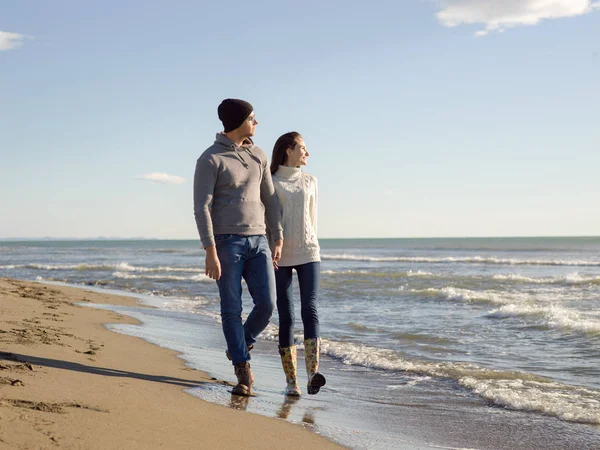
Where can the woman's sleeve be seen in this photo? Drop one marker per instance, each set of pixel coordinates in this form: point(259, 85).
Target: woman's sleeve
point(314, 205)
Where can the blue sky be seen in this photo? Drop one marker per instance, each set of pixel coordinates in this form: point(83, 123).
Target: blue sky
point(424, 118)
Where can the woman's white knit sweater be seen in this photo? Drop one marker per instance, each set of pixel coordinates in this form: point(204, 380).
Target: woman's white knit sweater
point(297, 193)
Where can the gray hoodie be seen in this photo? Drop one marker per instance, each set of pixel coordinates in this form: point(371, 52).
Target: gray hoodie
point(233, 190)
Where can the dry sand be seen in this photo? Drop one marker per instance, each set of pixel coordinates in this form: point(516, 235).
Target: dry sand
point(68, 382)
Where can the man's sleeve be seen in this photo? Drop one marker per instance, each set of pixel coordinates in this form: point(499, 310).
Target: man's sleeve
point(205, 179)
point(272, 206)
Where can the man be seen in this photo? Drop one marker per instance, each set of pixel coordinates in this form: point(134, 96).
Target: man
point(232, 192)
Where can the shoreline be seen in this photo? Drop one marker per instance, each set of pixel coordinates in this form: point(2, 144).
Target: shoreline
point(68, 381)
point(419, 351)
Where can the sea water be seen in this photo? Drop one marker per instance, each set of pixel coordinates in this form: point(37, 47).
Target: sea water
point(451, 343)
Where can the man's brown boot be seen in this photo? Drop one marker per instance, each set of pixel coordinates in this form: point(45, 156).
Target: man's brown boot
point(245, 379)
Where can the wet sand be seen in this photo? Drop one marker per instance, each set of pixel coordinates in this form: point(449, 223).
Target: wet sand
point(68, 382)
point(359, 407)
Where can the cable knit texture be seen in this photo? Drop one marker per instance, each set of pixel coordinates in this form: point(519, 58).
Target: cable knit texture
point(297, 193)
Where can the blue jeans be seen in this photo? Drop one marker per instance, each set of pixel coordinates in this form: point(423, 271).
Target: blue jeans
point(308, 279)
point(248, 257)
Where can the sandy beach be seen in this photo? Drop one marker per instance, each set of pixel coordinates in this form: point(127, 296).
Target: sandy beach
point(68, 382)
point(122, 347)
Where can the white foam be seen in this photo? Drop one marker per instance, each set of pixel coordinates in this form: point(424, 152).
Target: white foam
point(419, 273)
point(344, 272)
point(60, 267)
point(196, 305)
point(553, 316)
point(121, 267)
point(520, 304)
point(129, 268)
point(570, 279)
point(569, 403)
point(466, 259)
point(129, 276)
point(511, 389)
point(375, 274)
point(517, 277)
point(466, 295)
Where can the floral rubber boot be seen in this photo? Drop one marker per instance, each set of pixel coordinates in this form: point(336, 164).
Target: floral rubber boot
point(316, 380)
point(289, 363)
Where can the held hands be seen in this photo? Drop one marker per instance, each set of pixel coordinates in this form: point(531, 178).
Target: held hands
point(212, 264)
point(277, 253)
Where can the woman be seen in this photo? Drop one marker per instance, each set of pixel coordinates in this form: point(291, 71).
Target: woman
point(297, 193)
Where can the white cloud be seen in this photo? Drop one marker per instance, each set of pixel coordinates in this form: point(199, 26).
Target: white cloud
point(8, 41)
point(163, 178)
point(498, 15)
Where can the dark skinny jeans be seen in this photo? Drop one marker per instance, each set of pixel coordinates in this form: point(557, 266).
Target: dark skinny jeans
point(308, 279)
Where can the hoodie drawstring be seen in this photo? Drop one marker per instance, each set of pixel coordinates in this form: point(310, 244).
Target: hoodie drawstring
point(240, 157)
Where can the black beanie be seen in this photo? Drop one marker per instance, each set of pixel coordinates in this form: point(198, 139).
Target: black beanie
point(233, 112)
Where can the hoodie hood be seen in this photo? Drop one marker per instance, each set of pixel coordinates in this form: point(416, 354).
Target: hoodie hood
point(222, 140)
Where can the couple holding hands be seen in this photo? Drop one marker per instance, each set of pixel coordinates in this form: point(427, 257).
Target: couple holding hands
point(239, 200)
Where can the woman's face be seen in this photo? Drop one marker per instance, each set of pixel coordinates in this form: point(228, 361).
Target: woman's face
point(296, 156)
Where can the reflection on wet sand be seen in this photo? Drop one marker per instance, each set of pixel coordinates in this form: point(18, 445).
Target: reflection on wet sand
point(286, 408)
point(309, 416)
point(239, 402)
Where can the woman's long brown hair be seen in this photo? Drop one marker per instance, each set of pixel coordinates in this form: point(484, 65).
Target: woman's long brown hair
point(279, 157)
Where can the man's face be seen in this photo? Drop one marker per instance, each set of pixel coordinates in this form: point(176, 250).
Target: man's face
point(247, 128)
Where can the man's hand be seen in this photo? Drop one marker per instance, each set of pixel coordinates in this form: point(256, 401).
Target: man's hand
point(277, 252)
point(212, 264)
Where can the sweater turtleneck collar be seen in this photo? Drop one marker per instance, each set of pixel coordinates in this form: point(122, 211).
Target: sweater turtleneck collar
point(288, 172)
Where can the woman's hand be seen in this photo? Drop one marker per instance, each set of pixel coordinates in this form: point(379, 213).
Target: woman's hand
point(277, 253)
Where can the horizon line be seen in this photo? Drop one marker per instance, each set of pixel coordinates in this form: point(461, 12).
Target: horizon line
point(141, 238)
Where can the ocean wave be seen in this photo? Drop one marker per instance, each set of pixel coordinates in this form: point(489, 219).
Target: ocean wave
point(375, 274)
point(68, 267)
point(510, 389)
point(466, 259)
point(346, 272)
point(195, 305)
point(568, 403)
point(130, 276)
point(129, 268)
point(420, 274)
point(467, 295)
point(79, 283)
point(570, 279)
point(122, 267)
point(552, 316)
